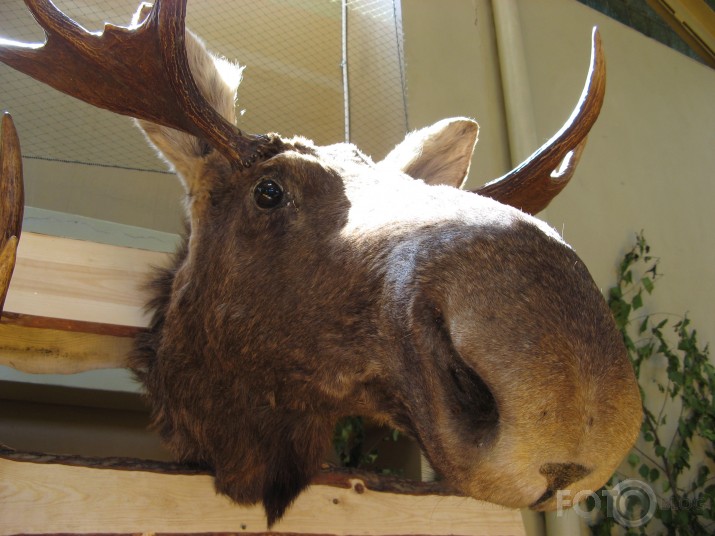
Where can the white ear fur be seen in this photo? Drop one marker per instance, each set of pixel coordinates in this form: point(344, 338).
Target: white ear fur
point(439, 154)
point(218, 81)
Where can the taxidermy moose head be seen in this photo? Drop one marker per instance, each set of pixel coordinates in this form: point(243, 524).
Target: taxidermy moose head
point(315, 284)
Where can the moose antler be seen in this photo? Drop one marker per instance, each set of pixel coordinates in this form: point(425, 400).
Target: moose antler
point(12, 202)
point(535, 182)
point(142, 72)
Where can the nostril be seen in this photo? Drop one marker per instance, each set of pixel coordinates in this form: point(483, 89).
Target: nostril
point(558, 477)
point(471, 399)
point(561, 475)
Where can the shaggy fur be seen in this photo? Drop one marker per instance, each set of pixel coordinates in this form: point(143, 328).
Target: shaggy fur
point(461, 321)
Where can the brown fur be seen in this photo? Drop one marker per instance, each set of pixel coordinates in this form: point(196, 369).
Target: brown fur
point(461, 321)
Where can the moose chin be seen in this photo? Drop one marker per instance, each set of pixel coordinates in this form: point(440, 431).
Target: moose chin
point(315, 284)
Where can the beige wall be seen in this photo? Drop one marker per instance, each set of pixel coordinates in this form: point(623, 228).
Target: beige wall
point(78, 430)
point(139, 198)
point(452, 70)
point(650, 159)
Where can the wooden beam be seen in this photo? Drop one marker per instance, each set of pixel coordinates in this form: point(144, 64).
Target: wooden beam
point(74, 305)
point(44, 494)
point(53, 351)
point(74, 280)
point(693, 21)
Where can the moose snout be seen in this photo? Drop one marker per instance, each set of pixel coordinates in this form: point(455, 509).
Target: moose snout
point(535, 350)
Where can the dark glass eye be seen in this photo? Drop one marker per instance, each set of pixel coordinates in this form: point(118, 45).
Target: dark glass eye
point(268, 194)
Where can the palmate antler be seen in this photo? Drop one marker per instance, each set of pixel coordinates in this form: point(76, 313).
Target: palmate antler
point(12, 202)
point(535, 182)
point(142, 72)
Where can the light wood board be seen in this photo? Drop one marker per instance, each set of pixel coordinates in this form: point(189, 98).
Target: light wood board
point(83, 281)
point(43, 498)
point(52, 351)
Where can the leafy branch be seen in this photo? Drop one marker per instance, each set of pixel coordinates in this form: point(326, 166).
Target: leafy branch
point(351, 447)
point(685, 378)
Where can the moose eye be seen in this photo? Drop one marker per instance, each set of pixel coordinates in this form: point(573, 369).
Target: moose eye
point(268, 194)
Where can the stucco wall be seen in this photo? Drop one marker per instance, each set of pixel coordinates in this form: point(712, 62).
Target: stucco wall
point(650, 160)
point(453, 70)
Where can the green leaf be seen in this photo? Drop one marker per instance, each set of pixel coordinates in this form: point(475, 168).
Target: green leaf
point(615, 293)
point(659, 450)
point(654, 475)
point(666, 515)
point(637, 301)
point(703, 473)
point(683, 518)
point(633, 459)
point(644, 471)
point(643, 326)
point(628, 277)
point(647, 283)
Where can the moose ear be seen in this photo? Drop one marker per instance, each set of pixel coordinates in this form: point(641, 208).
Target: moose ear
point(439, 154)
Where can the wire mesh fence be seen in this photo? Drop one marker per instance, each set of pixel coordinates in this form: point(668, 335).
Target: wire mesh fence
point(295, 53)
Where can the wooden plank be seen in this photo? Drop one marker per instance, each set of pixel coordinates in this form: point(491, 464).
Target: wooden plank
point(693, 21)
point(81, 281)
point(51, 351)
point(73, 305)
point(51, 497)
point(63, 324)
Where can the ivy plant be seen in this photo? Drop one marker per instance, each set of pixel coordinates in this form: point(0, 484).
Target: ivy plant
point(351, 447)
point(664, 351)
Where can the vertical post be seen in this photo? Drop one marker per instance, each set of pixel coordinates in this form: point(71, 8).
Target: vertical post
point(344, 67)
point(427, 473)
point(515, 80)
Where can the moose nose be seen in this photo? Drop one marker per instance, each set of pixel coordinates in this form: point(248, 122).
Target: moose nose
point(559, 476)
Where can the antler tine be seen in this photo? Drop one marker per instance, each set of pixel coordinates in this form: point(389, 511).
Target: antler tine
point(12, 202)
point(142, 72)
point(534, 183)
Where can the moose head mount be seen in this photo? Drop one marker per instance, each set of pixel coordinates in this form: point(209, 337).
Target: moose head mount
point(315, 284)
